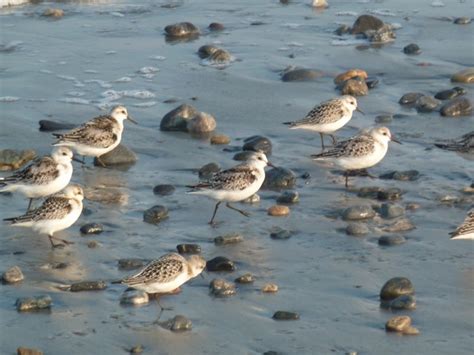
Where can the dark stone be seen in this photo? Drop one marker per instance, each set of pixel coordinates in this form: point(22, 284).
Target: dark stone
point(389, 210)
point(426, 104)
point(371, 82)
point(450, 93)
point(391, 240)
point(390, 194)
point(258, 144)
point(407, 175)
point(383, 118)
point(164, 190)
point(130, 264)
point(155, 214)
point(178, 324)
point(354, 87)
point(216, 26)
point(305, 175)
point(220, 263)
point(410, 98)
point(279, 178)
point(396, 287)
point(188, 248)
point(222, 288)
point(245, 279)
point(288, 197)
point(369, 192)
point(52, 126)
point(462, 20)
point(460, 106)
point(356, 213)
point(33, 303)
point(281, 234)
point(231, 238)
point(88, 286)
point(120, 155)
point(243, 156)
point(357, 229)
point(412, 49)
point(285, 315)
point(207, 170)
point(92, 228)
point(301, 75)
point(404, 302)
point(342, 30)
point(177, 119)
point(181, 29)
point(220, 56)
point(207, 50)
point(365, 23)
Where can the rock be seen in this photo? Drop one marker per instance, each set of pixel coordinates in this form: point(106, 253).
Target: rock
point(426, 104)
point(258, 144)
point(222, 288)
point(404, 302)
point(137, 349)
point(33, 303)
point(301, 75)
point(398, 324)
point(280, 234)
point(231, 238)
point(208, 170)
point(450, 93)
point(395, 287)
point(382, 119)
point(354, 87)
point(155, 214)
point(285, 315)
point(400, 225)
point(462, 20)
point(389, 210)
point(279, 178)
point(245, 279)
point(243, 156)
point(357, 229)
point(289, 197)
point(177, 119)
point(14, 159)
point(178, 324)
point(270, 288)
point(201, 123)
point(350, 74)
point(188, 248)
point(411, 331)
point(164, 190)
point(28, 351)
point(342, 30)
point(88, 286)
point(220, 56)
point(51, 126)
point(92, 228)
point(207, 50)
point(252, 199)
point(369, 192)
point(391, 240)
point(12, 275)
point(216, 26)
point(132, 297)
point(412, 49)
point(120, 155)
point(366, 22)
point(278, 210)
point(220, 263)
point(106, 195)
point(130, 264)
point(390, 194)
point(91, 244)
point(383, 35)
point(181, 29)
point(410, 98)
point(319, 4)
point(357, 213)
point(460, 106)
point(52, 12)
point(372, 82)
point(464, 76)
point(407, 175)
point(220, 139)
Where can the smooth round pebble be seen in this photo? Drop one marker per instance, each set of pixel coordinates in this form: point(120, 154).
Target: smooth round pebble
point(460, 106)
point(206, 50)
point(389, 210)
point(410, 98)
point(28, 351)
point(391, 240)
point(356, 213)
point(222, 288)
point(134, 297)
point(120, 155)
point(301, 74)
point(393, 193)
point(164, 190)
point(426, 104)
point(279, 178)
point(462, 20)
point(355, 87)
point(352, 73)
point(178, 323)
point(177, 119)
point(216, 26)
point(245, 279)
point(281, 234)
point(398, 324)
point(450, 93)
point(357, 229)
point(404, 302)
point(88, 286)
point(285, 315)
point(279, 210)
point(181, 29)
point(13, 275)
point(396, 287)
point(288, 197)
point(258, 144)
point(33, 303)
point(465, 76)
point(155, 214)
point(412, 49)
point(53, 12)
point(220, 263)
point(231, 238)
point(207, 170)
point(14, 159)
point(92, 228)
point(220, 139)
point(201, 123)
point(270, 288)
point(366, 22)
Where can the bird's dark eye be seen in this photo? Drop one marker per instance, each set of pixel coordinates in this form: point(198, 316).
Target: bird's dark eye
point(384, 133)
point(123, 111)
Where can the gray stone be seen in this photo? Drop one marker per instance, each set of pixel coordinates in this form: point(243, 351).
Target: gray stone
point(462, 20)
point(220, 263)
point(216, 26)
point(285, 315)
point(288, 197)
point(393, 193)
point(279, 178)
point(33, 303)
point(92, 228)
point(366, 22)
point(400, 225)
point(188, 248)
point(383, 118)
point(410, 98)
point(342, 30)
point(207, 50)
point(245, 279)
point(426, 104)
point(178, 323)
point(450, 93)
point(181, 29)
point(164, 190)
point(301, 74)
point(177, 119)
point(369, 192)
point(155, 214)
point(88, 286)
point(356, 213)
point(460, 106)
point(120, 155)
point(222, 288)
point(258, 144)
point(396, 287)
point(465, 76)
point(280, 234)
point(220, 56)
point(404, 302)
point(208, 170)
point(389, 210)
point(231, 238)
point(201, 123)
point(132, 297)
point(382, 35)
point(407, 175)
point(14, 159)
point(12, 275)
point(52, 126)
point(357, 229)
point(391, 240)
point(130, 264)
point(412, 49)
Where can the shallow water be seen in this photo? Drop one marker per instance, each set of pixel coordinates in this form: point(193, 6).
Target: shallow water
point(102, 53)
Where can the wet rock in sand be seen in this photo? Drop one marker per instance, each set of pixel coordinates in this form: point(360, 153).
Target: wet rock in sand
point(410, 98)
point(288, 197)
point(406, 175)
point(278, 210)
point(137, 349)
point(216, 26)
point(201, 123)
point(400, 303)
point(207, 50)
point(393, 193)
point(412, 49)
point(88, 286)
point(369, 192)
point(92, 228)
point(178, 323)
point(12, 275)
point(164, 190)
point(220, 56)
point(258, 144)
point(245, 279)
point(355, 87)
point(400, 225)
point(426, 104)
point(53, 12)
point(401, 324)
point(462, 20)
point(285, 315)
point(391, 240)
point(132, 297)
point(270, 288)
point(28, 351)
point(220, 139)
point(460, 106)
point(356, 213)
point(350, 74)
point(120, 155)
point(395, 287)
point(384, 34)
point(279, 178)
point(220, 263)
point(389, 210)
point(280, 234)
point(177, 119)
point(342, 30)
point(464, 76)
point(366, 22)
point(231, 238)
point(33, 303)
point(51, 126)
point(188, 248)
point(357, 229)
point(450, 93)
point(130, 264)
point(208, 170)
point(14, 159)
point(181, 29)
point(155, 214)
point(300, 75)
point(222, 288)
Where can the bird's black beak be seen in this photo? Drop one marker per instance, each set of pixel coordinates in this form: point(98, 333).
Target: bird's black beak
point(359, 110)
point(131, 120)
point(270, 164)
point(394, 139)
point(78, 160)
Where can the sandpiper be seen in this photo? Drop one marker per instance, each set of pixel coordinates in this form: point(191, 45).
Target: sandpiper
point(466, 229)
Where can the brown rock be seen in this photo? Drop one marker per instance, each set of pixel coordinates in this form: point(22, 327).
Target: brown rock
point(270, 288)
point(51, 12)
point(352, 73)
point(355, 87)
point(220, 139)
point(202, 123)
point(279, 210)
point(28, 351)
point(398, 324)
point(464, 76)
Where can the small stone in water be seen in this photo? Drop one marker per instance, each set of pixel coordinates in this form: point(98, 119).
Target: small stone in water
point(279, 178)
point(201, 123)
point(369, 192)
point(176, 119)
point(389, 194)
point(164, 190)
point(231, 238)
point(400, 225)
point(383, 118)
point(390, 240)
point(450, 93)
point(426, 104)
point(357, 229)
point(408, 175)
point(222, 288)
point(137, 349)
point(355, 87)
point(88, 286)
point(258, 144)
point(207, 170)
point(220, 263)
point(464, 76)
point(289, 197)
point(281, 234)
point(12, 275)
point(216, 26)
point(134, 297)
point(155, 214)
point(188, 248)
point(207, 50)
point(342, 30)
point(92, 228)
point(389, 210)
point(52, 12)
point(285, 315)
point(120, 155)
point(301, 74)
point(245, 279)
point(462, 20)
point(33, 303)
point(279, 210)
point(410, 98)
point(181, 29)
point(356, 213)
point(243, 156)
point(460, 106)
point(350, 74)
point(91, 244)
point(396, 287)
point(178, 324)
point(130, 264)
point(14, 159)
point(404, 302)
point(28, 351)
point(270, 288)
point(412, 49)
point(398, 324)
point(220, 139)
point(366, 22)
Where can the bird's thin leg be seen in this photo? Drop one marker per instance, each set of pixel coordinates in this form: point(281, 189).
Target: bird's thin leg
point(67, 242)
point(370, 175)
point(322, 140)
point(215, 211)
point(162, 309)
point(244, 213)
point(346, 174)
point(101, 162)
point(29, 205)
point(52, 243)
point(334, 141)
